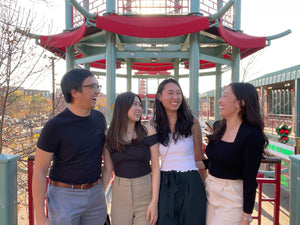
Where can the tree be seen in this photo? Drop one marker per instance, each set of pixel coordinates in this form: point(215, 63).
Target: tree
point(19, 56)
point(21, 115)
point(249, 66)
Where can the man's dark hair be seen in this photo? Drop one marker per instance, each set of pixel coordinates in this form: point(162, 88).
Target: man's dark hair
point(73, 79)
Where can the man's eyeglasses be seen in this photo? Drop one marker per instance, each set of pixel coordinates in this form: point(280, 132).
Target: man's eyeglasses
point(94, 87)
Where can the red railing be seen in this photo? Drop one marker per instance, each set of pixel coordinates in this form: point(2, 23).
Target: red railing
point(30, 193)
point(143, 7)
point(276, 199)
point(272, 121)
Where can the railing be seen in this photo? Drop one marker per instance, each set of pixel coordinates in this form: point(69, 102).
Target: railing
point(274, 120)
point(276, 181)
point(146, 7)
point(260, 180)
point(30, 165)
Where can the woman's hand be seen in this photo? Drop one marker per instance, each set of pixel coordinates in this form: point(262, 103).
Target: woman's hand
point(152, 213)
point(200, 165)
point(246, 219)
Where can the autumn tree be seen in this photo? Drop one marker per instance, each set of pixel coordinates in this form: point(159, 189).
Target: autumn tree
point(19, 57)
point(249, 66)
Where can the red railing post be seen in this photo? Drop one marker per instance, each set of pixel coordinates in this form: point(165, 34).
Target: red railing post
point(276, 198)
point(277, 193)
point(30, 162)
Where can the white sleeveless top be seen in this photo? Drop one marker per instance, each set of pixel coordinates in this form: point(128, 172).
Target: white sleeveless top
point(180, 156)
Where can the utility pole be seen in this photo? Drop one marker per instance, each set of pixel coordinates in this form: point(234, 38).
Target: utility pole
point(53, 85)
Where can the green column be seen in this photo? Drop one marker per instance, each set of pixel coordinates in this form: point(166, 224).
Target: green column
point(297, 107)
point(218, 91)
point(195, 6)
point(8, 189)
point(194, 73)
point(176, 70)
point(236, 55)
point(262, 100)
point(295, 187)
point(69, 50)
point(129, 75)
point(110, 6)
point(110, 74)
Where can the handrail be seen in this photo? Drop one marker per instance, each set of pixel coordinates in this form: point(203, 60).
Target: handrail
point(30, 165)
point(276, 182)
point(211, 18)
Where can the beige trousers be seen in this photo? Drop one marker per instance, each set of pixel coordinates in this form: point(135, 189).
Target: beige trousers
point(130, 200)
point(224, 201)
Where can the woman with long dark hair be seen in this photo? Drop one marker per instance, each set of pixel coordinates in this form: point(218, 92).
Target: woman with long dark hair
point(182, 198)
point(234, 152)
point(132, 147)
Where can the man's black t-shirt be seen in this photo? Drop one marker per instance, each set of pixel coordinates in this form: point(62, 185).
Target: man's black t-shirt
point(77, 143)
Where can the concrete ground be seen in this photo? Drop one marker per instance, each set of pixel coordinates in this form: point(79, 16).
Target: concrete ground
point(268, 207)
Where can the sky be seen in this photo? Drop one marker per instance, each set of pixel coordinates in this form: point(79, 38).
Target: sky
point(259, 18)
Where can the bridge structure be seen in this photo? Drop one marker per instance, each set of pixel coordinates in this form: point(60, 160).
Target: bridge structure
point(153, 39)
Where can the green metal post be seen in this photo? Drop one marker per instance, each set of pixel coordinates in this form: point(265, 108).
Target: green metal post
point(262, 100)
point(218, 91)
point(110, 6)
point(70, 58)
point(129, 74)
point(110, 74)
point(194, 73)
point(236, 55)
point(68, 14)
point(176, 70)
point(8, 189)
point(87, 66)
point(69, 50)
point(297, 107)
point(195, 6)
point(295, 187)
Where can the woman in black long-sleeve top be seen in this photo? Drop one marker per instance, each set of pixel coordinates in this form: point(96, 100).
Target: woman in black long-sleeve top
point(234, 153)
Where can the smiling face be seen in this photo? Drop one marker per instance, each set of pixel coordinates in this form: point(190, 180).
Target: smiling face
point(228, 104)
point(87, 97)
point(135, 112)
point(171, 97)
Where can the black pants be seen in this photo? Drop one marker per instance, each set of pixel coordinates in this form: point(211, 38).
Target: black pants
point(182, 199)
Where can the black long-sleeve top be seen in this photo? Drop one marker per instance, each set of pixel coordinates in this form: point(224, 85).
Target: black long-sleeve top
point(238, 160)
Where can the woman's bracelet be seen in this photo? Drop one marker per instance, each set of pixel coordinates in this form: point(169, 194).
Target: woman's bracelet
point(249, 219)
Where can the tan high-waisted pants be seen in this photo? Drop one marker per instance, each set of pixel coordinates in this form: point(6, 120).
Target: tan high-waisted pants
point(130, 200)
point(224, 201)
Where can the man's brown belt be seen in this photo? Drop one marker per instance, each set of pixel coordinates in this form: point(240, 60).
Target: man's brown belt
point(75, 186)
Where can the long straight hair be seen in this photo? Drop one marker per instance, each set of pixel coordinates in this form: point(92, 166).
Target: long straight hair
point(250, 113)
point(183, 126)
point(117, 131)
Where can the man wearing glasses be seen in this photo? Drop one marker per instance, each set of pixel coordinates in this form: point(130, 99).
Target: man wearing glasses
point(74, 139)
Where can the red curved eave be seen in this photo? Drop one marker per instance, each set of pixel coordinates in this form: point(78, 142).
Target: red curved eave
point(64, 39)
point(248, 44)
point(152, 26)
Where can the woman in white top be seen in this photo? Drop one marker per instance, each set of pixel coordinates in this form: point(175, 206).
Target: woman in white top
point(182, 197)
